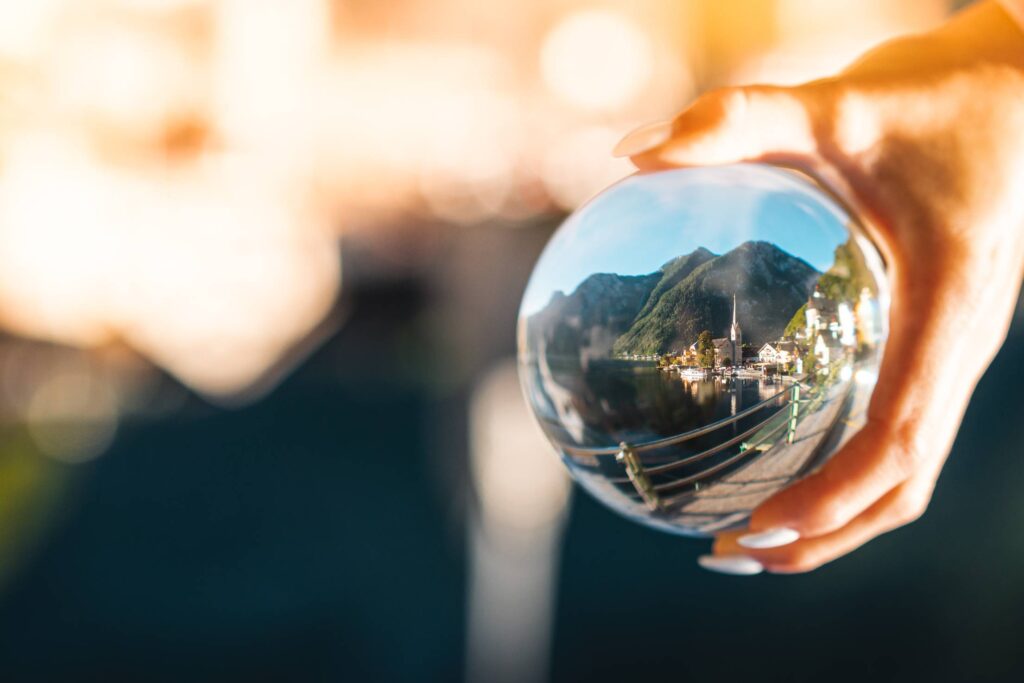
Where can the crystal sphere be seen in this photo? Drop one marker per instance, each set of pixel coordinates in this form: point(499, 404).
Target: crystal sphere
point(694, 340)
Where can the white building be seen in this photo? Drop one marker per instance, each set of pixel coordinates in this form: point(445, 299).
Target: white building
point(777, 352)
point(827, 348)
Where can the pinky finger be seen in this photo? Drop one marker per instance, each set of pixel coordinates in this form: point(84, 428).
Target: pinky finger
point(900, 506)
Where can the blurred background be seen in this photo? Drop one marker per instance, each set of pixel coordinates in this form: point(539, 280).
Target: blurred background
point(260, 262)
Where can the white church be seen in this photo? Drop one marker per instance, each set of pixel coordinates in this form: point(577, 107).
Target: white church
point(730, 347)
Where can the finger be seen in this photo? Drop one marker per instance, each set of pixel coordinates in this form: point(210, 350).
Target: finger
point(900, 506)
point(727, 126)
point(913, 416)
point(871, 464)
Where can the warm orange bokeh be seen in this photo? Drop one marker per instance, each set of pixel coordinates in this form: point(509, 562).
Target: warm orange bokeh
point(176, 173)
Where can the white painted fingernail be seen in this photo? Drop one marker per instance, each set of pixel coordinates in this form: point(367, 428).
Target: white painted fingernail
point(740, 565)
point(772, 538)
point(643, 138)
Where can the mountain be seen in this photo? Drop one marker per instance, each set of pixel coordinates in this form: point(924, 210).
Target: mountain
point(674, 272)
point(590, 319)
point(666, 310)
point(769, 284)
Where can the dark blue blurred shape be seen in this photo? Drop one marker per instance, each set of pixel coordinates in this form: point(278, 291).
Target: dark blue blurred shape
point(315, 536)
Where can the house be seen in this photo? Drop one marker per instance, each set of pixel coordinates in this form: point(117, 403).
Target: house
point(827, 348)
point(820, 314)
point(783, 351)
point(767, 354)
point(723, 351)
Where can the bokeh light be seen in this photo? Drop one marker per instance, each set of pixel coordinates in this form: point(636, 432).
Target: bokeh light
point(596, 59)
point(72, 416)
point(176, 176)
point(577, 165)
point(521, 488)
point(25, 26)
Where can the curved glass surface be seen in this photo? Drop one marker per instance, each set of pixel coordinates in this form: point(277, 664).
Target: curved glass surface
point(692, 341)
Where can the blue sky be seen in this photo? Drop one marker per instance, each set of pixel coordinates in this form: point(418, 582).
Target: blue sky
point(642, 222)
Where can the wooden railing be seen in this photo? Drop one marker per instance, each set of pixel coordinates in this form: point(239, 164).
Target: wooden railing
point(781, 421)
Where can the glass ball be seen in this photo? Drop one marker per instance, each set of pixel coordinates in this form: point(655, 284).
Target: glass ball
point(693, 341)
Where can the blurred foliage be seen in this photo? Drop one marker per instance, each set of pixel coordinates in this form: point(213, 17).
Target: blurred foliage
point(797, 323)
point(30, 487)
point(847, 277)
point(706, 349)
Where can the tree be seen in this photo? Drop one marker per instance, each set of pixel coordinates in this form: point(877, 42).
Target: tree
point(810, 362)
point(705, 349)
point(847, 276)
point(797, 323)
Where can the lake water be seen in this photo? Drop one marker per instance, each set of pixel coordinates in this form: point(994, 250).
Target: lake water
point(639, 403)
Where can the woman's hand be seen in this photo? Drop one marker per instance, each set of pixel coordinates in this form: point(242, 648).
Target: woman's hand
point(925, 137)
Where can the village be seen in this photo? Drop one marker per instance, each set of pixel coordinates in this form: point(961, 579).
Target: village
point(829, 332)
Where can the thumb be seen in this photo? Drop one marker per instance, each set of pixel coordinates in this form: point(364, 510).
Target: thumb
point(727, 126)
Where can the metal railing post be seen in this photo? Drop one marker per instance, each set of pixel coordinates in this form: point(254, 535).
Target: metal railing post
point(794, 413)
point(641, 482)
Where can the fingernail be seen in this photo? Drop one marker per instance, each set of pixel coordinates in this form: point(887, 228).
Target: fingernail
point(740, 565)
point(643, 138)
point(772, 538)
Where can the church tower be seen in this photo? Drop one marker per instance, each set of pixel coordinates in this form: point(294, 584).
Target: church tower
point(736, 337)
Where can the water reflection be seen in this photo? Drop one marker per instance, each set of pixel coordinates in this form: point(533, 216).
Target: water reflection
point(690, 327)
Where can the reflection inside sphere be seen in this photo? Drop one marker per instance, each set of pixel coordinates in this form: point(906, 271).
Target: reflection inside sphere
point(694, 340)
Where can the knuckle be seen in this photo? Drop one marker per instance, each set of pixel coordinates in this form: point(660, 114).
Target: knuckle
point(846, 100)
point(854, 127)
point(907, 453)
point(734, 102)
point(908, 509)
point(900, 450)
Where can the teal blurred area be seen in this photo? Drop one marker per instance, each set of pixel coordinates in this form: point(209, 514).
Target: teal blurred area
point(320, 534)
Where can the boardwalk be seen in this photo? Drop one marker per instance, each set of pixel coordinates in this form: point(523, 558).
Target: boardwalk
point(704, 502)
point(732, 498)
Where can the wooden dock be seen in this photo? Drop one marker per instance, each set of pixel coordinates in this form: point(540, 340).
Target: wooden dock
point(731, 499)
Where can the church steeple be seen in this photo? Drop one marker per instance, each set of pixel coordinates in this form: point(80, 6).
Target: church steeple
point(734, 329)
point(735, 337)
